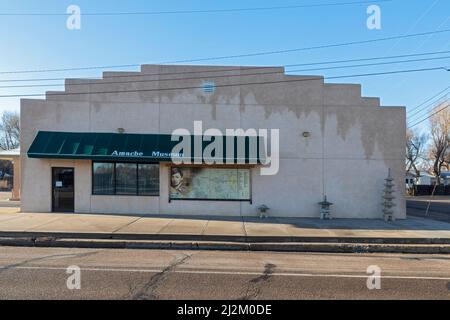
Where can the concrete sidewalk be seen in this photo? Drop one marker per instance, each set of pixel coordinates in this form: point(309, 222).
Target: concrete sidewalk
point(240, 231)
point(141, 227)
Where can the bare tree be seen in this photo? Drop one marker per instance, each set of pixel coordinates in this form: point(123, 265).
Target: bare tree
point(447, 159)
point(9, 130)
point(415, 150)
point(440, 138)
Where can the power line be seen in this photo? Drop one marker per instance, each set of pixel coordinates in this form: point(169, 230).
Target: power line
point(234, 69)
point(432, 105)
point(424, 40)
point(135, 13)
point(429, 116)
point(150, 80)
point(373, 64)
point(437, 94)
point(342, 44)
point(413, 26)
point(368, 59)
point(425, 108)
point(217, 76)
point(231, 85)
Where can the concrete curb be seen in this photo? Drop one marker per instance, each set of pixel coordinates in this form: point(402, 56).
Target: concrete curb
point(241, 246)
point(222, 238)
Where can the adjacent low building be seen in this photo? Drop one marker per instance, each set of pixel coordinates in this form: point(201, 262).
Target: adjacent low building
point(105, 146)
point(13, 156)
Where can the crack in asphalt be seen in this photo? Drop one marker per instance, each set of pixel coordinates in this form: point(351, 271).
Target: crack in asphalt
point(255, 285)
point(25, 262)
point(148, 291)
point(425, 258)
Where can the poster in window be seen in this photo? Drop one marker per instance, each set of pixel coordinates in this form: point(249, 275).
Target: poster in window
point(209, 183)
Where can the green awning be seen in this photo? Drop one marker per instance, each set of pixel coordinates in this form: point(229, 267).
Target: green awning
point(139, 147)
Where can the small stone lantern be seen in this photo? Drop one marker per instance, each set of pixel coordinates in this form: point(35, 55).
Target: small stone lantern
point(325, 208)
point(263, 211)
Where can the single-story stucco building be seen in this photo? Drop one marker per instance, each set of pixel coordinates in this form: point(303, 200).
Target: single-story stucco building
point(106, 145)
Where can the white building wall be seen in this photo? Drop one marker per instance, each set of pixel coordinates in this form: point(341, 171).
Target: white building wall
point(352, 143)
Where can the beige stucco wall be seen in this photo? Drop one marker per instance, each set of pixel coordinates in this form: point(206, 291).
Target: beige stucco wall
point(352, 143)
point(16, 179)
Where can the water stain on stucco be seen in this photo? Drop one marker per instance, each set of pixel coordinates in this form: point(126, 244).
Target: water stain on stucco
point(369, 120)
point(96, 106)
point(300, 98)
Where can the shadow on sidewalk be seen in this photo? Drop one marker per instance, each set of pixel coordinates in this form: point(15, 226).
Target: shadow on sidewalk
point(411, 223)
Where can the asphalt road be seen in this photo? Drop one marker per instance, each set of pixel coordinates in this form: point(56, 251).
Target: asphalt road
point(438, 209)
point(40, 273)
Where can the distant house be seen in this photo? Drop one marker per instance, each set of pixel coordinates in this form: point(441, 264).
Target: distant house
point(14, 156)
point(410, 179)
point(426, 179)
point(445, 178)
point(423, 179)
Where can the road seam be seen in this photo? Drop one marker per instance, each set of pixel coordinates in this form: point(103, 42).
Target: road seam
point(230, 273)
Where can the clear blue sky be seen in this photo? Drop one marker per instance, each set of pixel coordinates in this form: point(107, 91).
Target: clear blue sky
point(36, 42)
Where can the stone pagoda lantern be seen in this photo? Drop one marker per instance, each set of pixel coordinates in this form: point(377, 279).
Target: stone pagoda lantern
point(388, 204)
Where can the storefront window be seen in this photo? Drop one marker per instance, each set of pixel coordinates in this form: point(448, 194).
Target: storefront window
point(103, 182)
point(189, 183)
point(148, 179)
point(125, 178)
